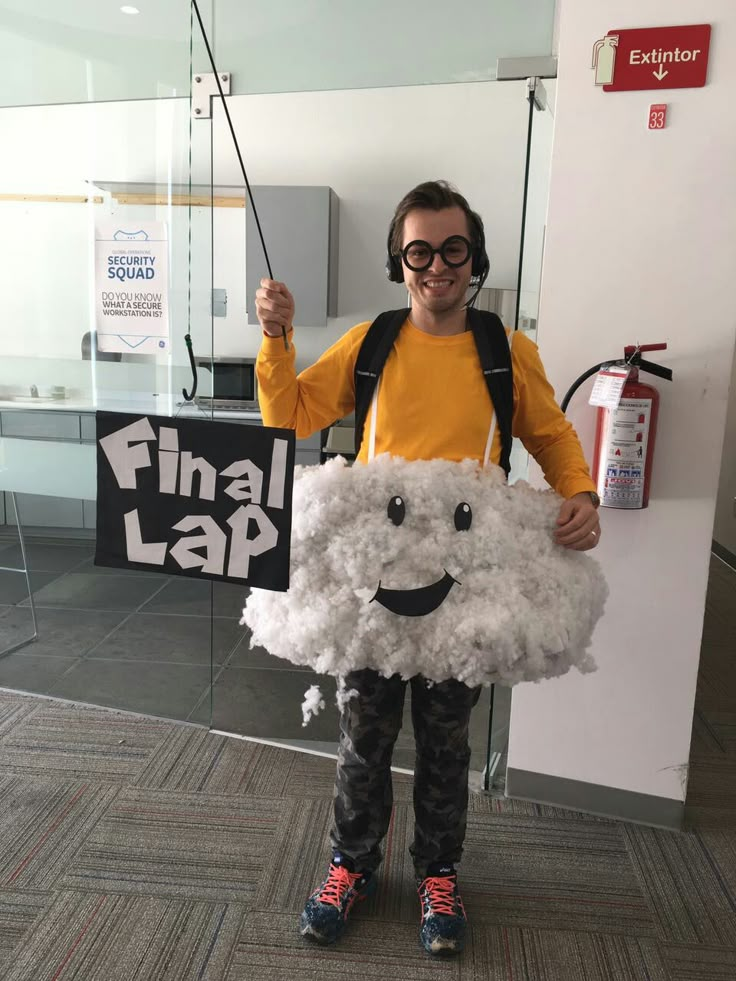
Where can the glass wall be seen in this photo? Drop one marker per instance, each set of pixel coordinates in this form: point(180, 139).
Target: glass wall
point(57, 52)
point(106, 140)
point(84, 172)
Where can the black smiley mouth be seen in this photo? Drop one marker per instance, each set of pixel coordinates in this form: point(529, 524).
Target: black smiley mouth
point(416, 602)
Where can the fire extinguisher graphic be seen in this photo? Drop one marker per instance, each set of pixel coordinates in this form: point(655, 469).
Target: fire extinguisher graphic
point(625, 436)
point(604, 59)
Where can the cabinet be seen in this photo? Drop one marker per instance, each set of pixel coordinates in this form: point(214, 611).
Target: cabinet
point(300, 226)
point(41, 510)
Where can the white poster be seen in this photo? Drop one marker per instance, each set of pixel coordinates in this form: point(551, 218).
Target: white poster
point(131, 287)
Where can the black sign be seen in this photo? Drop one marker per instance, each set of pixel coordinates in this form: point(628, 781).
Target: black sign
point(208, 500)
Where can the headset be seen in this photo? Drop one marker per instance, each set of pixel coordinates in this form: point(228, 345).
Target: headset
point(480, 266)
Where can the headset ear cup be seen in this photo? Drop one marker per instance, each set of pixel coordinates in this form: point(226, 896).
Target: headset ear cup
point(394, 265)
point(477, 266)
point(394, 269)
point(481, 264)
point(481, 267)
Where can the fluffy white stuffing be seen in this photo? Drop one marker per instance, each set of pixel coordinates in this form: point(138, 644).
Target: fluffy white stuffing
point(313, 704)
point(523, 608)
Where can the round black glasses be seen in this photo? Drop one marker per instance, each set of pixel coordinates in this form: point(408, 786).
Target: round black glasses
point(454, 251)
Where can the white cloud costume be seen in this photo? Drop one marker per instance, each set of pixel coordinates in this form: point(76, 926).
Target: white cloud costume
point(429, 567)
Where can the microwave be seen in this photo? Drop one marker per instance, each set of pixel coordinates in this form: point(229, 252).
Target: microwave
point(234, 384)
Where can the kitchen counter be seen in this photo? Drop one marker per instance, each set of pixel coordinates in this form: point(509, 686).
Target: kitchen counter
point(156, 405)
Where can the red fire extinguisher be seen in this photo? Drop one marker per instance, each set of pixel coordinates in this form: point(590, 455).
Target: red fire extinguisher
point(625, 436)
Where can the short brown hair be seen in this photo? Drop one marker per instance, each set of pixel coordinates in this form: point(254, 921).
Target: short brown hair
point(433, 196)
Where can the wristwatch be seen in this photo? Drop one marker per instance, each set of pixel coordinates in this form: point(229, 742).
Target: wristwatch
point(595, 500)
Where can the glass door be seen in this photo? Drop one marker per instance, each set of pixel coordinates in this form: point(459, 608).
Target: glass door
point(539, 96)
point(98, 115)
point(366, 146)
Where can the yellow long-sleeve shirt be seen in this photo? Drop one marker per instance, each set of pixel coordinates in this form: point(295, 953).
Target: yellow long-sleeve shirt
point(433, 401)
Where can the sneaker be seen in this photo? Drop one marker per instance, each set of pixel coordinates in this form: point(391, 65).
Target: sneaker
point(443, 914)
point(327, 909)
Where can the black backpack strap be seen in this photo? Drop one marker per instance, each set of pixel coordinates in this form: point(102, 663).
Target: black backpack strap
point(372, 356)
point(495, 358)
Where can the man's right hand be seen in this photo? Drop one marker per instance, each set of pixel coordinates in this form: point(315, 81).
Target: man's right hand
point(274, 307)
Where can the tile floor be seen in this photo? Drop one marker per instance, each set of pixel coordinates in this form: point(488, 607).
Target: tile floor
point(141, 642)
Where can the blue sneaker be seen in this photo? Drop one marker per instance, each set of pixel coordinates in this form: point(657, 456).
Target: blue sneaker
point(327, 909)
point(444, 921)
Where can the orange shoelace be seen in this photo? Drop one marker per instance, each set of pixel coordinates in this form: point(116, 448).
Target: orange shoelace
point(338, 881)
point(441, 894)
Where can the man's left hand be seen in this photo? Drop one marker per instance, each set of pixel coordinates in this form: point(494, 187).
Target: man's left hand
point(578, 526)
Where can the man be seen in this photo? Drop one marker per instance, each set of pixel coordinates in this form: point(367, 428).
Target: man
point(434, 236)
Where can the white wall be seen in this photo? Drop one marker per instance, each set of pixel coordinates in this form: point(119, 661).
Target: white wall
point(640, 247)
point(724, 529)
point(370, 145)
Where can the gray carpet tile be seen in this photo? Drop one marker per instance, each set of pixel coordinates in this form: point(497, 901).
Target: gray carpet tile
point(712, 782)
point(710, 740)
point(301, 856)
point(98, 937)
point(500, 953)
point(12, 712)
point(70, 742)
point(86, 591)
point(44, 823)
point(169, 852)
point(698, 962)
point(194, 760)
point(61, 633)
point(686, 891)
point(314, 776)
point(19, 911)
point(195, 846)
point(304, 854)
point(710, 818)
point(556, 874)
point(270, 948)
point(396, 896)
point(46, 558)
point(495, 803)
point(182, 639)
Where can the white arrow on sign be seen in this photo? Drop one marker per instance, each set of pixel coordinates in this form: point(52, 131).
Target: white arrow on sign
point(660, 74)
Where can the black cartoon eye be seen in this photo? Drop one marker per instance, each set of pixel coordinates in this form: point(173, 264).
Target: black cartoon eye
point(463, 517)
point(396, 510)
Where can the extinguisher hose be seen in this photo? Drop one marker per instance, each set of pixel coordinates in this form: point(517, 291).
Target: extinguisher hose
point(578, 382)
point(653, 369)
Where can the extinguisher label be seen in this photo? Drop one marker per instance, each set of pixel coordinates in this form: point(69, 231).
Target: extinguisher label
point(622, 474)
point(609, 384)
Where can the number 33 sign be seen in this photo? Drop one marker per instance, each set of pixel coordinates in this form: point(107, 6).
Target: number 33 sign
point(657, 116)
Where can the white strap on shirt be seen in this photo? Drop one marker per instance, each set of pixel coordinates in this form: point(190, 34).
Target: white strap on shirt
point(374, 413)
point(492, 430)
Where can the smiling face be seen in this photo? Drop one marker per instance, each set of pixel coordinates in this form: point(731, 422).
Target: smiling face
point(428, 567)
point(440, 289)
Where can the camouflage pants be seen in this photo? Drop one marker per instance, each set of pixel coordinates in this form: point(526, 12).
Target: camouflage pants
point(369, 726)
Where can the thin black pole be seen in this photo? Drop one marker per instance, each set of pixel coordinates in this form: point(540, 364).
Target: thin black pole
point(237, 149)
point(523, 206)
